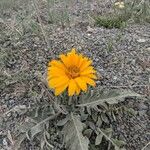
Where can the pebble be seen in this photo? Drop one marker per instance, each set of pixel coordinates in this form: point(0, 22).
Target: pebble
point(115, 77)
point(8, 114)
point(148, 49)
point(5, 143)
point(89, 29)
point(141, 40)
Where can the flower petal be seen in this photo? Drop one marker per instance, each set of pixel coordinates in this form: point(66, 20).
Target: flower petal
point(88, 70)
point(89, 81)
point(81, 83)
point(57, 64)
point(65, 60)
point(58, 81)
point(72, 87)
point(85, 64)
point(80, 57)
point(55, 71)
point(73, 57)
point(78, 90)
point(60, 89)
point(73, 51)
point(93, 76)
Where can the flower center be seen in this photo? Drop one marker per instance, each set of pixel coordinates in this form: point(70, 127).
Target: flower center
point(73, 71)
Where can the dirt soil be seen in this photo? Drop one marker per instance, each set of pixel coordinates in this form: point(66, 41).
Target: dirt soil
point(126, 64)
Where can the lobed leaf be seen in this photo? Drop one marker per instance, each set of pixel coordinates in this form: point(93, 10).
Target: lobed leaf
point(73, 136)
point(99, 96)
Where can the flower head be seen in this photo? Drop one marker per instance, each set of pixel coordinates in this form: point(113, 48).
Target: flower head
point(73, 72)
point(119, 4)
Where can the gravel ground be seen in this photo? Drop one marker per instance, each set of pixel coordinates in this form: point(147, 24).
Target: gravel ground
point(121, 56)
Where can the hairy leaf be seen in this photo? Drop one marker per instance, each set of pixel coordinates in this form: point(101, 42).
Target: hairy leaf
point(73, 136)
point(39, 127)
point(98, 139)
point(98, 96)
point(107, 134)
point(63, 121)
point(119, 143)
point(88, 132)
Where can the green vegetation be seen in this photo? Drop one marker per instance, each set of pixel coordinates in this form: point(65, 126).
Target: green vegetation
point(135, 11)
point(110, 21)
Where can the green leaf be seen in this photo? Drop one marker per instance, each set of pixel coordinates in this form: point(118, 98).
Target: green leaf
point(107, 131)
point(73, 136)
point(38, 127)
point(99, 122)
point(98, 139)
point(94, 116)
point(113, 115)
point(119, 143)
point(99, 96)
point(104, 118)
point(88, 132)
point(63, 121)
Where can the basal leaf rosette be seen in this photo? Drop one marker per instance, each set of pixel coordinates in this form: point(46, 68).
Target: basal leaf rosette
point(73, 72)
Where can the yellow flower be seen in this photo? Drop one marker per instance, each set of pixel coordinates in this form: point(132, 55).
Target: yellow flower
point(119, 4)
point(73, 72)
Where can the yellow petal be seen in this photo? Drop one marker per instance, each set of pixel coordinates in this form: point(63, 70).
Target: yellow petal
point(82, 84)
point(72, 87)
point(58, 81)
point(78, 90)
point(93, 76)
point(57, 64)
point(88, 70)
point(80, 57)
point(73, 51)
point(65, 60)
point(83, 60)
point(60, 89)
point(55, 71)
point(85, 64)
point(73, 58)
point(89, 81)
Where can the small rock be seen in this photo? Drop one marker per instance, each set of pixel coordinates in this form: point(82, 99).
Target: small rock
point(115, 77)
point(8, 114)
point(141, 40)
point(5, 142)
point(89, 29)
point(148, 49)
